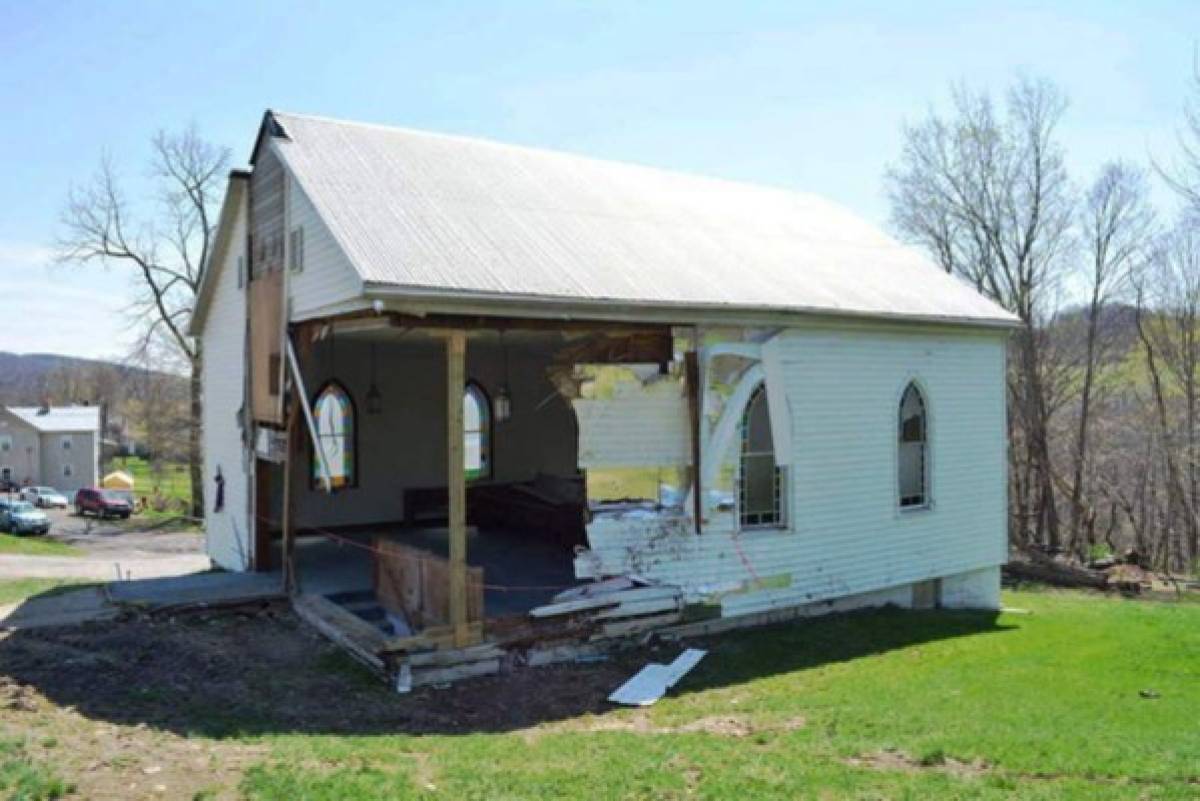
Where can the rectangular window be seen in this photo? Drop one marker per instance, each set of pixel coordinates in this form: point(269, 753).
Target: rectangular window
point(6, 442)
point(67, 471)
point(66, 442)
point(296, 251)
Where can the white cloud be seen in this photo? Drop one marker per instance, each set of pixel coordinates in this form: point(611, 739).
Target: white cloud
point(49, 308)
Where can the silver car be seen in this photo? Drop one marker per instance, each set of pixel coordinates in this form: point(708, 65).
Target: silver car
point(44, 497)
point(22, 517)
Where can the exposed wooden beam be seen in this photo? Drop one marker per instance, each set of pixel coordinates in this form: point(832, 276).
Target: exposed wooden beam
point(367, 320)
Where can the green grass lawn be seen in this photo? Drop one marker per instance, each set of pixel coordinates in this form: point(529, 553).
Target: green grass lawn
point(885, 704)
point(25, 779)
point(14, 590)
point(35, 546)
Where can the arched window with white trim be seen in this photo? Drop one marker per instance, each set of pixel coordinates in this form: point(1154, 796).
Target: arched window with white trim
point(913, 449)
point(477, 432)
point(334, 418)
point(760, 478)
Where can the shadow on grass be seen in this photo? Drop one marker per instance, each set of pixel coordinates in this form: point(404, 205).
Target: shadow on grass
point(263, 672)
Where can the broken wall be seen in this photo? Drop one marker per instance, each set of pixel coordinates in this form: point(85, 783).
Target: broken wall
point(404, 446)
point(839, 386)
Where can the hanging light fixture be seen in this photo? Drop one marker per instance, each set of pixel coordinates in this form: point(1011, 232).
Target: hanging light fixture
point(374, 396)
point(502, 405)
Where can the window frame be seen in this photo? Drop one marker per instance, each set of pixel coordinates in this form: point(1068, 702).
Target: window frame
point(926, 503)
point(486, 430)
point(781, 493)
point(314, 470)
point(296, 249)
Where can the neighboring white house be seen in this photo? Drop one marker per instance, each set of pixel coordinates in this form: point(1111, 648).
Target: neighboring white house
point(50, 446)
point(817, 410)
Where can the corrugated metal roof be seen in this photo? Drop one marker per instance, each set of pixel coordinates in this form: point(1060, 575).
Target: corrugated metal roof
point(427, 211)
point(60, 419)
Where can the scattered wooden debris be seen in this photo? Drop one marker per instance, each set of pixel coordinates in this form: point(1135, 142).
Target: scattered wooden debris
point(582, 623)
point(362, 640)
point(652, 682)
point(1043, 569)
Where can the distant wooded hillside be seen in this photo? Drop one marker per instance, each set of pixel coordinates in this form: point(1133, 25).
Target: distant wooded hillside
point(145, 409)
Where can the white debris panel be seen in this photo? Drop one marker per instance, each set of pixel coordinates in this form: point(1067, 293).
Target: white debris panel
point(652, 682)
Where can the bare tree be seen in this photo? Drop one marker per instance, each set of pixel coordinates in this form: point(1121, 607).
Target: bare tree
point(1115, 228)
point(167, 251)
point(1168, 324)
point(1183, 175)
point(988, 196)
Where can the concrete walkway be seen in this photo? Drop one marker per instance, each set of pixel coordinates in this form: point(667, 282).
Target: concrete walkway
point(102, 569)
point(64, 608)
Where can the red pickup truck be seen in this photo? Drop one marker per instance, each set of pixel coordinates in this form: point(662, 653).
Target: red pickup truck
point(102, 503)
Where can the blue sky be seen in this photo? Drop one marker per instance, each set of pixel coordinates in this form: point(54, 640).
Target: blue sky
point(794, 94)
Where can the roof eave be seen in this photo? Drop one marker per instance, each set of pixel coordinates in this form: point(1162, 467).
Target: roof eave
point(425, 300)
point(230, 206)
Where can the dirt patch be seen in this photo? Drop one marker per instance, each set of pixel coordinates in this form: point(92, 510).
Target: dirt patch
point(128, 707)
point(898, 761)
point(641, 722)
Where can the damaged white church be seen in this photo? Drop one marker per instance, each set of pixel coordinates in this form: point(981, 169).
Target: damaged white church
point(473, 400)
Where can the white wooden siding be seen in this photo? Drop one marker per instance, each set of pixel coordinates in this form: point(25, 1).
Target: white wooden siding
point(327, 277)
point(227, 531)
point(847, 535)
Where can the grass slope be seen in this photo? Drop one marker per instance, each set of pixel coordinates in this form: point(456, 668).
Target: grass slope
point(14, 590)
point(884, 704)
point(24, 779)
point(35, 546)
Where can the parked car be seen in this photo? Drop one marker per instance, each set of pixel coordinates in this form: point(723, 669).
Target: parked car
point(22, 517)
point(102, 503)
point(44, 497)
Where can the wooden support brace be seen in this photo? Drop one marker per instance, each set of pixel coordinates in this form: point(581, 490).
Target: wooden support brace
point(456, 483)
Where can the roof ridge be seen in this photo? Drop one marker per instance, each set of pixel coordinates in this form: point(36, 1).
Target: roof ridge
point(567, 154)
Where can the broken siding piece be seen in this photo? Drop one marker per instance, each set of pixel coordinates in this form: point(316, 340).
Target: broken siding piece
point(624, 602)
point(652, 682)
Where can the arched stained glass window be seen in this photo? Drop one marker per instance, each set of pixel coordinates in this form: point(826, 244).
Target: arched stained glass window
point(477, 432)
point(913, 468)
point(334, 417)
point(760, 484)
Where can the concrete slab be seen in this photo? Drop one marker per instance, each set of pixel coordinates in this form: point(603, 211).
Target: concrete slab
point(196, 588)
point(23, 566)
point(66, 608)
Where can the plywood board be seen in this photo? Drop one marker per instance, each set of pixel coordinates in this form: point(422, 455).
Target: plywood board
point(266, 347)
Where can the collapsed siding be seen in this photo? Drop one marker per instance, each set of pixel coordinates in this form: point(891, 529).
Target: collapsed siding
point(845, 534)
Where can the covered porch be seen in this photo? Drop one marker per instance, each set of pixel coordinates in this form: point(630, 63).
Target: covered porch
point(421, 486)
